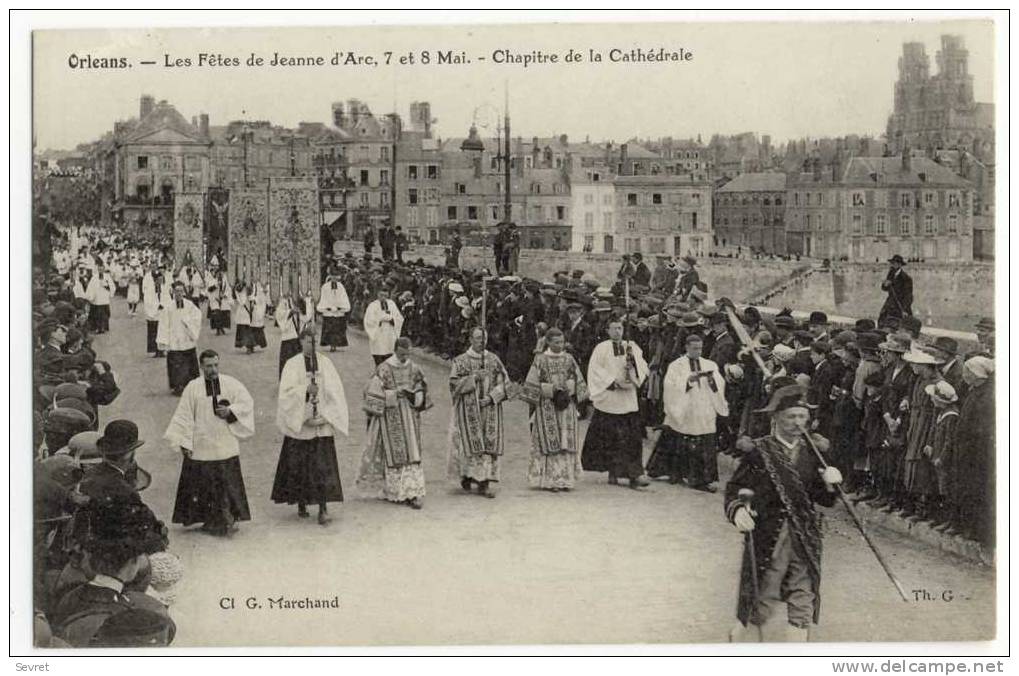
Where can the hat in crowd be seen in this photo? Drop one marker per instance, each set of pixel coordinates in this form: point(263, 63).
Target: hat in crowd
point(674, 312)
point(805, 337)
point(900, 341)
point(981, 367)
point(577, 274)
point(456, 287)
point(942, 392)
point(818, 317)
point(76, 404)
point(574, 305)
point(512, 279)
point(845, 337)
point(706, 310)
point(867, 342)
point(783, 398)
point(83, 447)
point(699, 294)
point(911, 324)
point(764, 339)
point(61, 468)
point(750, 315)
point(986, 324)
point(462, 301)
point(821, 347)
point(946, 344)
point(603, 306)
point(897, 259)
point(865, 325)
point(120, 437)
point(690, 320)
point(718, 318)
point(68, 421)
point(785, 322)
point(126, 525)
point(921, 356)
point(783, 353)
point(690, 260)
point(48, 392)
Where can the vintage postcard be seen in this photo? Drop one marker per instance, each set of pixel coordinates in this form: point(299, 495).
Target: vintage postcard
point(630, 332)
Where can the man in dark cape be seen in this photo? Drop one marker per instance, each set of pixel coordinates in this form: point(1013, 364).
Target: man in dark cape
point(899, 286)
point(787, 479)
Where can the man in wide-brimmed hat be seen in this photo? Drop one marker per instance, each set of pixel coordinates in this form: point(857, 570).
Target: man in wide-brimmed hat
point(985, 336)
point(946, 348)
point(688, 277)
point(117, 477)
point(787, 479)
point(899, 286)
point(917, 473)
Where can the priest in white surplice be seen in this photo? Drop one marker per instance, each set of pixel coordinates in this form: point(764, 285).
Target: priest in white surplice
point(292, 316)
point(98, 294)
point(180, 323)
point(334, 306)
point(383, 322)
point(694, 397)
point(215, 411)
point(312, 408)
point(614, 441)
point(156, 296)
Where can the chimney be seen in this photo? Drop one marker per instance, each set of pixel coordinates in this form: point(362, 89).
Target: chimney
point(145, 105)
point(338, 119)
point(477, 166)
point(354, 109)
point(623, 156)
point(836, 165)
point(203, 124)
point(816, 162)
point(907, 159)
point(563, 140)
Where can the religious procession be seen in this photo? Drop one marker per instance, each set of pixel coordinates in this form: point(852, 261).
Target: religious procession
point(808, 412)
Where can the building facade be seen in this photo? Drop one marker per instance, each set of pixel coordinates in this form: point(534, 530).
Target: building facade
point(418, 186)
point(593, 207)
point(662, 215)
point(749, 213)
point(152, 158)
point(878, 207)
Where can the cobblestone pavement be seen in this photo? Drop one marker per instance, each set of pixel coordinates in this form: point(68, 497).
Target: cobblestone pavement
point(601, 564)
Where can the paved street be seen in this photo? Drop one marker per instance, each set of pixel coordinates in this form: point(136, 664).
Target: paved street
point(601, 564)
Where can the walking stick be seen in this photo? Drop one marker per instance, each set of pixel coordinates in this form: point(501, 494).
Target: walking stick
point(746, 496)
point(857, 521)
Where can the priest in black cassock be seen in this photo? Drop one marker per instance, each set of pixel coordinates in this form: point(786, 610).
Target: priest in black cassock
point(214, 412)
point(180, 323)
point(312, 408)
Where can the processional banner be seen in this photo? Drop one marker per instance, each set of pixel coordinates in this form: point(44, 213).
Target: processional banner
point(188, 230)
point(217, 220)
point(248, 240)
point(294, 235)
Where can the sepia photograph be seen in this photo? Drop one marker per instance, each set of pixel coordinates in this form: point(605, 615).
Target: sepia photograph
point(598, 332)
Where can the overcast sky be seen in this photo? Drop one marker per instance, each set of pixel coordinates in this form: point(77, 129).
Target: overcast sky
point(785, 79)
